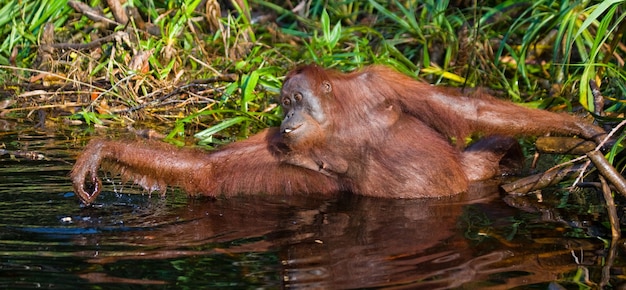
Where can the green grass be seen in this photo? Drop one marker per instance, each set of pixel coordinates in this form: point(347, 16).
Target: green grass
point(543, 53)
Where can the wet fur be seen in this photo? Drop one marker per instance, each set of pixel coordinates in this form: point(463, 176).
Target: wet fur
point(374, 132)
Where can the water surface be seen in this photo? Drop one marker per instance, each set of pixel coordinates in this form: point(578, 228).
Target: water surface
point(131, 239)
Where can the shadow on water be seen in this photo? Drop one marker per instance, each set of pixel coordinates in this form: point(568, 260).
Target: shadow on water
point(475, 240)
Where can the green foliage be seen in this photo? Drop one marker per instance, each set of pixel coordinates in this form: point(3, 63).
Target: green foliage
point(544, 52)
point(21, 22)
point(330, 38)
point(324, 49)
point(555, 28)
point(607, 20)
point(244, 114)
point(430, 30)
point(91, 117)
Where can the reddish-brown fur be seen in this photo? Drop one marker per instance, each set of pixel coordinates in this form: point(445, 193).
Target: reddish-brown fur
point(374, 132)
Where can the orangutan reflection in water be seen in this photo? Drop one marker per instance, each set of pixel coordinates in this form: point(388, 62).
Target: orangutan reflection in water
point(354, 242)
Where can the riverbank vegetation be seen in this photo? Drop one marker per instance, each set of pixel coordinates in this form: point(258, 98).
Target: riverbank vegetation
point(214, 67)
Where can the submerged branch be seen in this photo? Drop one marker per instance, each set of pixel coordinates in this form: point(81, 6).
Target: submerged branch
point(610, 208)
point(541, 180)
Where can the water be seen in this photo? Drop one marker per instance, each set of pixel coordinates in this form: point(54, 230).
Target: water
point(130, 239)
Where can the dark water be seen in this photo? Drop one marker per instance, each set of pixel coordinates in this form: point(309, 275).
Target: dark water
point(134, 240)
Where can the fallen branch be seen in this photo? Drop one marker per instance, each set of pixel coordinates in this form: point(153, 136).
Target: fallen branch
point(608, 171)
point(541, 180)
point(607, 139)
point(564, 145)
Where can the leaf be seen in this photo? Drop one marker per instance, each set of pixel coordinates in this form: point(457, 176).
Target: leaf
point(207, 133)
point(325, 23)
point(249, 84)
point(444, 74)
point(589, 73)
point(597, 12)
point(334, 36)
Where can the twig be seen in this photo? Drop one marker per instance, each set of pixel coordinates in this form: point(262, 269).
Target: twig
point(608, 263)
point(182, 89)
point(118, 11)
point(608, 171)
point(610, 208)
point(39, 107)
point(598, 99)
point(608, 136)
point(91, 13)
point(598, 148)
point(560, 171)
point(118, 36)
point(57, 76)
